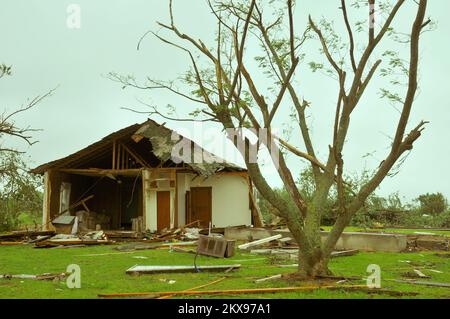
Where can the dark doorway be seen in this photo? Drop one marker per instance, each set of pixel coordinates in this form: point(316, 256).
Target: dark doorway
point(130, 200)
point(163, 209)
point(201, 205)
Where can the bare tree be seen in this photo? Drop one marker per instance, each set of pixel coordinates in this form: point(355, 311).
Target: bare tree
point(8, 127)
point(226, 90)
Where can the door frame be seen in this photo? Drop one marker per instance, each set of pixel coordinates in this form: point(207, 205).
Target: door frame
point(192, 189)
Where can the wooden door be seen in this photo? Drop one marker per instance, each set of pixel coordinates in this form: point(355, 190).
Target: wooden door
point(163, 209)
point(201, 205)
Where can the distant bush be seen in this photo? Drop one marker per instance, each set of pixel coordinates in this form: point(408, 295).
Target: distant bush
point(428, 210)
point(20, 193)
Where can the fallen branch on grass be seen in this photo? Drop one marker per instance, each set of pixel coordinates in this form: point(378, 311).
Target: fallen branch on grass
point(229, 291)
point(137, 270)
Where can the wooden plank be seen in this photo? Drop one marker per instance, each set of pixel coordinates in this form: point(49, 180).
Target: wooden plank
point(257, 218)
point(179, 269)
point(260, 242)
point(138, 159)
point(198, 287)
point(113, 166)
point(233, 291)
point(101, 172)
point(268, 278)
point(424, 283)
point(344, 253)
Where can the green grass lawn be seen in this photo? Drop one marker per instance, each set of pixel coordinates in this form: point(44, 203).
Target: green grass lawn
point(101, 274)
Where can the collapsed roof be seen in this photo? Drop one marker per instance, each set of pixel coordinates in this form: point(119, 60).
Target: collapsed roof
point(154, 142)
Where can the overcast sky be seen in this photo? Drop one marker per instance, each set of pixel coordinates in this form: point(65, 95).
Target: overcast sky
point(45, 54)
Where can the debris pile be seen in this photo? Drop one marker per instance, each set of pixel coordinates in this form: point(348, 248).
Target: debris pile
point(25, 236)
point(283, 247)
point(64, 240)
point(46, 276)
point(427, 242)
point(88, 220)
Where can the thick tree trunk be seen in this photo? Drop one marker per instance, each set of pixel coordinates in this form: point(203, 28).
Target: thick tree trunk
point(312, 261)
point(313, 264)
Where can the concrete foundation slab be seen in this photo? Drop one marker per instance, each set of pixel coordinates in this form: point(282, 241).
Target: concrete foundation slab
point(347, 241)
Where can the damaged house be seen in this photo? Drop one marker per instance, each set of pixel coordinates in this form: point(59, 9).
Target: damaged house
point(130, 180)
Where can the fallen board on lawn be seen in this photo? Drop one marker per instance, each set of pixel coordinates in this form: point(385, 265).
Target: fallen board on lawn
point(136, 270)
point(18, 235)
point(133, 247)
point(55, 243)
point(344, 253)
point(231, 291)
point(197, 287)
point(46, 276)
point(268, 278)
point(260, 241)
point(424, 283)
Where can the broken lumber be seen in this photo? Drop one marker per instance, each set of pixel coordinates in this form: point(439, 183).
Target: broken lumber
point(424, 283)
point(421, 274)
point(268, 278)
point(230, 291)
point(344, 253)
point(24, 234)
point(46, 276)
point(198, 287)
point(178, 269)
point(56, 243)
point(260, 241)
point(11, 243)
point(152, 246)
point(182, 250)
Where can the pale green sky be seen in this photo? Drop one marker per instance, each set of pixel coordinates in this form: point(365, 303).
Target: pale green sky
point(45, 53)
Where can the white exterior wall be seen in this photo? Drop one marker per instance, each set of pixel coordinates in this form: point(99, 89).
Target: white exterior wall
point(230, 198)
point(150, 203)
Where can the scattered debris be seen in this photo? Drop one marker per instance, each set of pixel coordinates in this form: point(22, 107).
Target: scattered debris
point(142, 246)
point(137, 224)
point(88, 220)
point(230, 291)
point(344, 253)
point(64, 224)
point(268, 278)
point(346, 278)
point(215, 246)
point(427, 241)
point(293, 253)
point(91, 238)
point(169, 281)
point(182, 250)
point(260, 242)
point(424, 283)
point(421, 274)
point(178, 269)
point(11, 243)
point(436, 271)
point(198, 287)
point(124, 235)
point(24, 236)
point(46, 276)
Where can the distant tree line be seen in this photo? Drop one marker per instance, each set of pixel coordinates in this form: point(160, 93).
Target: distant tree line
point(427, 210)
point(20, 191)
